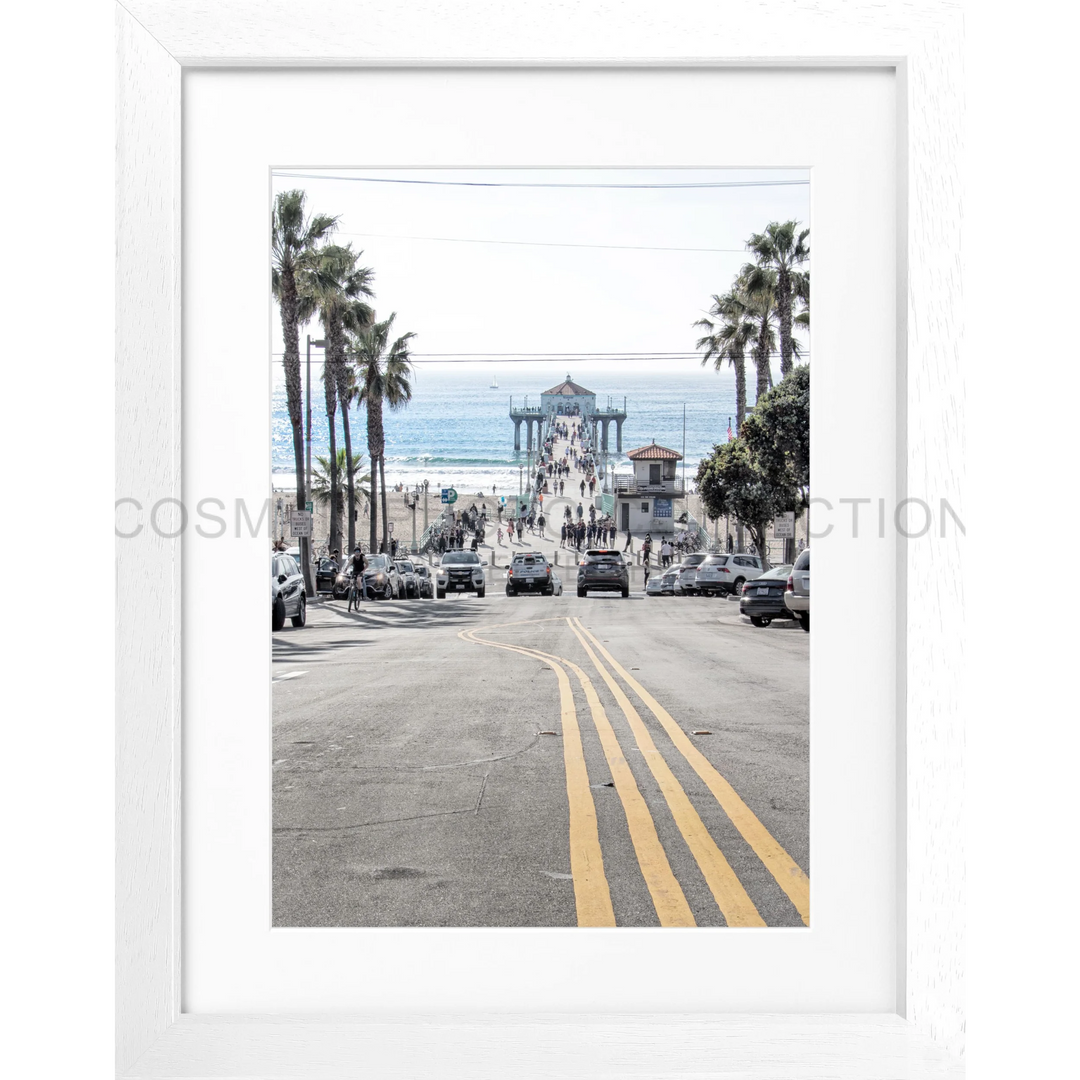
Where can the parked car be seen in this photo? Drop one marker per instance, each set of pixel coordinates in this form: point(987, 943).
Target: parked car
point(604, 569)
point(529, 571)
point(287, 599)
point(797, 593)
point(662, 584)
point(409, 580)
point(326, 577)
point(459, 571)
point(381, 578)
point(762, 599)
point(423, 581)
point(685, 580)
point(556, 583)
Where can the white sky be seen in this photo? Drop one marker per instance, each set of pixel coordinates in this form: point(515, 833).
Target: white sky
point(500, 298)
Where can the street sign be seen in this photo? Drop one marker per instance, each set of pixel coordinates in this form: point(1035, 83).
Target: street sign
point(390, 528)
point(299, 524)
point(310, 507)
point(784, 526)
point(449, 495)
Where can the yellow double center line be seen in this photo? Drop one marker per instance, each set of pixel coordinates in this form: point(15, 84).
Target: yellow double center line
point(592, 896)
point(788, 874)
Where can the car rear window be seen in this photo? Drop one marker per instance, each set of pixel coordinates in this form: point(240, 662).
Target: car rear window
point(715, 560)
point(602, 557)
point(803, 561)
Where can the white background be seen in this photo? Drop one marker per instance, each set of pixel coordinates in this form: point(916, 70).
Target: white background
point(239, 124)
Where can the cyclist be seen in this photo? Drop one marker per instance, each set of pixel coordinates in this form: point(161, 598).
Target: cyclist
point(355, 568)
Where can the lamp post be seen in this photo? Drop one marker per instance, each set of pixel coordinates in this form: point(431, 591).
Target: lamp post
point(305, 543)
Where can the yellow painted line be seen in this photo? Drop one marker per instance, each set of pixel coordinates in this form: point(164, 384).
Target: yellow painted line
point(788, 874)
point(728, 892)
point(668, 898)
point(592, 896)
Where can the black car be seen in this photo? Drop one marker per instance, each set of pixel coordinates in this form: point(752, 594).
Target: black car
point(287, 599)
point(381, 578)
point(603, 569)
point(326, 577)
point(763, 598)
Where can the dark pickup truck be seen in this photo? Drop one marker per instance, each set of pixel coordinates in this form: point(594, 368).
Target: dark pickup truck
point(529, 572)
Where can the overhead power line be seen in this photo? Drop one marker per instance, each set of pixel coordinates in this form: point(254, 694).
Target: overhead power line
point(524, 184)
point(544, 358)
point(546, 243)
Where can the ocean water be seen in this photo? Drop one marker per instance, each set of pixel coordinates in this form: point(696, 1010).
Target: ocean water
point(457, 430)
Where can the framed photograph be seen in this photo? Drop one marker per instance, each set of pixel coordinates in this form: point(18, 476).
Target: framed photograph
point(487, 335)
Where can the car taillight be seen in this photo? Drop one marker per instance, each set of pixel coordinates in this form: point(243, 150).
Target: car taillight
point(724, 570)
point(790, 586)
point(509, 573)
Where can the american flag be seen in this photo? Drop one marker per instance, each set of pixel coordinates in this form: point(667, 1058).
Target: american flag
point(729, 435)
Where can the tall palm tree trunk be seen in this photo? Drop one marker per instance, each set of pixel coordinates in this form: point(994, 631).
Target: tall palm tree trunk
point(350, 477)
point(375, 439)
point(761, 361)
point(335, 356)
point(294, 392)
point(739, 362)
point(382, 485)
point(335, 488)
point(373, 506)
point(783, 311)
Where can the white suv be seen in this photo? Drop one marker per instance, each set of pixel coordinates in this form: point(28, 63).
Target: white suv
point(720, 574)
point(797, 594)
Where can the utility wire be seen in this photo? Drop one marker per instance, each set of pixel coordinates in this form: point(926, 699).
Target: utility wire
point(547, 243)
point(482, 358)
point(522, 184)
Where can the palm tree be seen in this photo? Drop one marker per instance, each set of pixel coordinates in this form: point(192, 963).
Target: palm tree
point(782, 248)
point(383, 373)
point(323, 489)
point(294, 241)
point(761, 309)
point(357, 316)
point(335, 284)
point(802, 296)
point(727, 335)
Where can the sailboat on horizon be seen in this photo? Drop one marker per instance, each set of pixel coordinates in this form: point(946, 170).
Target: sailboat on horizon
point(494, 383)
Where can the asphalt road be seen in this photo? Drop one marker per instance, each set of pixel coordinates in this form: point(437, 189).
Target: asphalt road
point(540, 761)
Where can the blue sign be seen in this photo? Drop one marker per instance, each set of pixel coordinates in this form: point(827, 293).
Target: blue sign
point(662, 508)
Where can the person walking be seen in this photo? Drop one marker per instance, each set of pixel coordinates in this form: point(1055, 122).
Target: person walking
point(582, 486)
point(520, 529)
point(562, 537)
point(629, 545)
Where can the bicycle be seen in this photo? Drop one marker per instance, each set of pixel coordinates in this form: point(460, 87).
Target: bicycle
point(355, 593)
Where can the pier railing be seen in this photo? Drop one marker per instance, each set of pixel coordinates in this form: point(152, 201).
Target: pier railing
point(631, 485)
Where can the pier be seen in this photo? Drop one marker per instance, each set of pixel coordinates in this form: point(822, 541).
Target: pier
point(569, 398)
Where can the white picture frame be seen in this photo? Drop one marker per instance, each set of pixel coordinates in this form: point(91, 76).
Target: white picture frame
point(156, 40)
